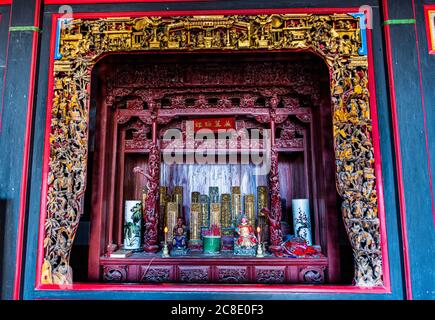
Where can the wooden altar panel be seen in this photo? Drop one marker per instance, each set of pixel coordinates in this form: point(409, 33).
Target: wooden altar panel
point(224, 269)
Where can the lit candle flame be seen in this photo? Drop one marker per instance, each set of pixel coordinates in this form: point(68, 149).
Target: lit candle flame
point(258, 229)
point(166, 229)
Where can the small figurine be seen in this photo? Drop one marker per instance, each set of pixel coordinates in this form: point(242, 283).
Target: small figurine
point(245, 242)
point(179, 240)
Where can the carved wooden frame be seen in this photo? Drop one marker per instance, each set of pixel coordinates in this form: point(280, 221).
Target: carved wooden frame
point(334, 37)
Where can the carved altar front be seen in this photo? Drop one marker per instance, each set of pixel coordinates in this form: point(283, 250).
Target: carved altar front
point(139, 269)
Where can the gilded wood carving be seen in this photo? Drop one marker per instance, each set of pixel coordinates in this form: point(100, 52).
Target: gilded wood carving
point(336, 38)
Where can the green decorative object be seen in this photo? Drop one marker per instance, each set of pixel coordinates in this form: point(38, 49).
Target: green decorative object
point(212, 240)
point(211, 244)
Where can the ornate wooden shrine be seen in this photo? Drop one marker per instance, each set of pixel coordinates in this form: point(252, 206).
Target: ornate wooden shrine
point(260, 92)
point(139, 101)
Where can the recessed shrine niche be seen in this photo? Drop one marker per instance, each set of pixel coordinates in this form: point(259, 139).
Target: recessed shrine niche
point(137, 99)
point(338, 39)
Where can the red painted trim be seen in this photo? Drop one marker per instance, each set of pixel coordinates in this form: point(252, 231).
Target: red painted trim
point(69, 2)
point(208, 287)
point(172, 287)
point(430, 32)
point(97, 15)
point(5, 2)
point(423, 108)
point(397, 150)
point(26, 154)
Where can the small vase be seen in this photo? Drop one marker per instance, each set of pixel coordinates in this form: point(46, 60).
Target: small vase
point(132, 225)
point(301, 219)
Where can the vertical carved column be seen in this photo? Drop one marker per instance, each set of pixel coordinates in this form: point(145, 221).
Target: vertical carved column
point(151, 213)
point(262, 202)
point(275, 199)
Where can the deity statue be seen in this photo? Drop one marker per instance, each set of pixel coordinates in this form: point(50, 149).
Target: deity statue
point(245, 241)
point(179, 240)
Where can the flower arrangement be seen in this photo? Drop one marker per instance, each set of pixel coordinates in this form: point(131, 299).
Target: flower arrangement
point(213, 231)
point(298, 248)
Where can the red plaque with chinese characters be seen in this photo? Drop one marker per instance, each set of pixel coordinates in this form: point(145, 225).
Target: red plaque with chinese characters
point(214, 124)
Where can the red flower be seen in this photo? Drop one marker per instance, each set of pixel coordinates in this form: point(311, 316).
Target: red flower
point(310, 250)
point(298, 252)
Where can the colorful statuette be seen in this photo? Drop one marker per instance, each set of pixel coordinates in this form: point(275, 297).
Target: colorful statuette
point(179, 240)
point(245, 241)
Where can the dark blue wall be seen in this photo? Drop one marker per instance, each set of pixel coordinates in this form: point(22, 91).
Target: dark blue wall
point(7, 237)
point(419, 218)
point(417, 141)
point(15, 111)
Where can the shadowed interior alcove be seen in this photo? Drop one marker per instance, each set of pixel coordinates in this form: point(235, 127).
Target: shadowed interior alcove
point(210, 81)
